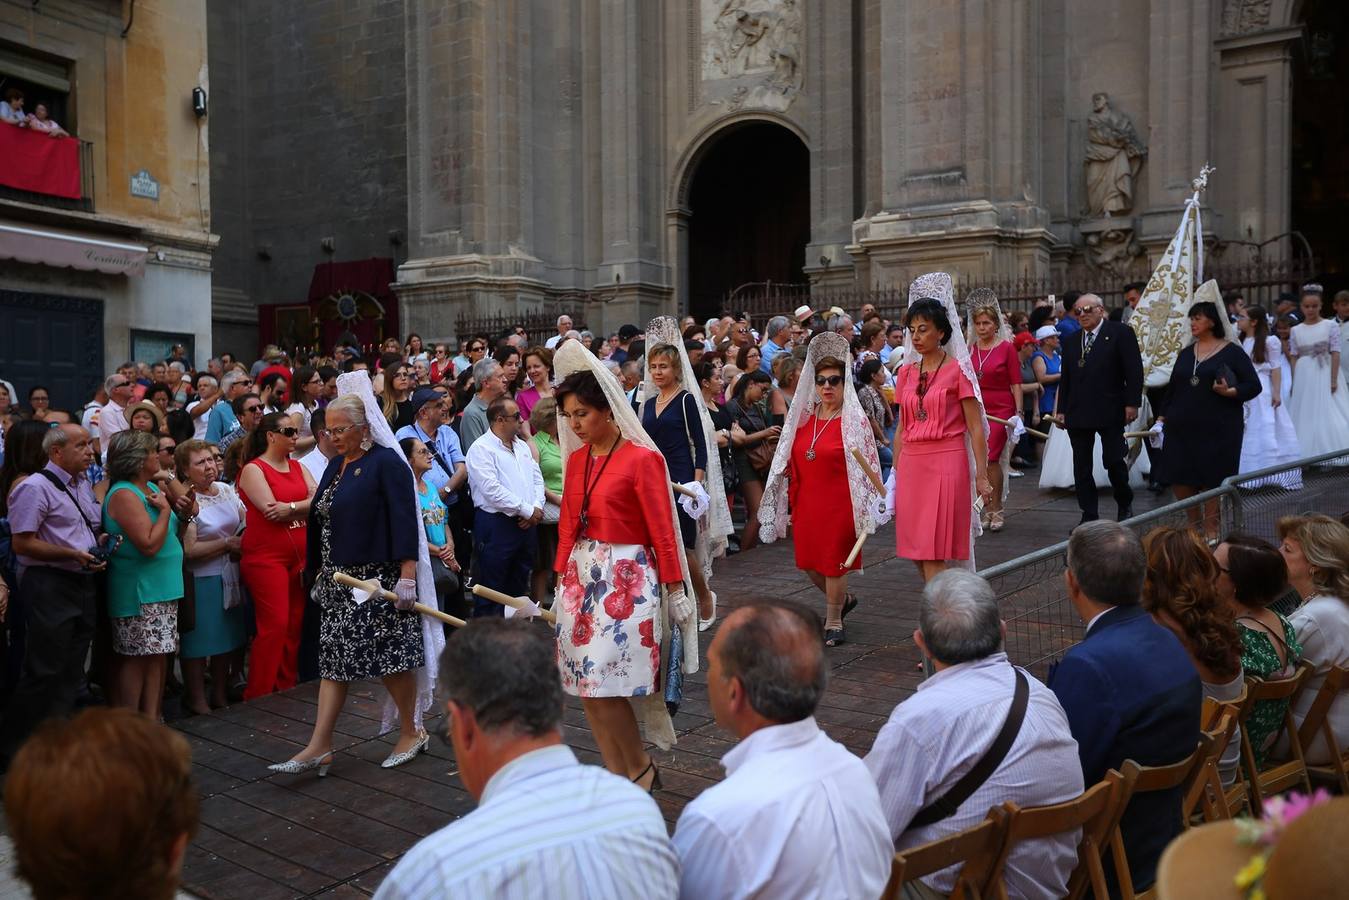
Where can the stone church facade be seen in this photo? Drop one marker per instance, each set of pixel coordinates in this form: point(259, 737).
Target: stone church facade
point(621, 158)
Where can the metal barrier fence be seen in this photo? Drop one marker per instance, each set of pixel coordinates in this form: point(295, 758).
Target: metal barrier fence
point(1041, 621)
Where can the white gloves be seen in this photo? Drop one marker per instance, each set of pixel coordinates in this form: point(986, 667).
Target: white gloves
point(1155, 435)
point(1018, 427)
point(527, 609)
point(697, 505)
point(406, 591)
point(881, 511)
point(682, 609)
point(890, 488)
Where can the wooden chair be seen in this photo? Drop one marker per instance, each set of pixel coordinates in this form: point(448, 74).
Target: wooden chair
point(1136, 779)
point(1093, 812)
point(1279, 776)
point(1206, 789)
point(977, 847)
point(1236, 797)
point(1317, 720)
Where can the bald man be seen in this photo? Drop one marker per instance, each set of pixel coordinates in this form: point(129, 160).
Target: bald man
point(798, 815)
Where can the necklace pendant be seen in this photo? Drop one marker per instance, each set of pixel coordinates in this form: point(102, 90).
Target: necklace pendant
point(922, 415)
point(1194, 381)
point(810, 454)
point(1081, 362)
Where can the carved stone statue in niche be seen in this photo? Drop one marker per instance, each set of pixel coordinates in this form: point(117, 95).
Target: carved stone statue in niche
point(1113, 158)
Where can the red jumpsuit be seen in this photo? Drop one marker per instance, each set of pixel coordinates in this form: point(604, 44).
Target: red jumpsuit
point(272, 567)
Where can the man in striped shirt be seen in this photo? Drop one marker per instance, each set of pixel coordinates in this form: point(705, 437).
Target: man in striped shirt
point(545, 826)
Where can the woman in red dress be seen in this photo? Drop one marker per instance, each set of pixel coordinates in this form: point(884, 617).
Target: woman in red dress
point(999, 372)
point(830, 498)
point(276, 491)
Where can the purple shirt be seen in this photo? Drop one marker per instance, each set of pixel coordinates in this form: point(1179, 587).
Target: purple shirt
point(39, 507)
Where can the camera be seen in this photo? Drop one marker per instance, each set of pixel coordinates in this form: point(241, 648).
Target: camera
point(104, 551)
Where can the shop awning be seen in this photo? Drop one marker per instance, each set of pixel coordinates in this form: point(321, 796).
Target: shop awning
point(69, 249)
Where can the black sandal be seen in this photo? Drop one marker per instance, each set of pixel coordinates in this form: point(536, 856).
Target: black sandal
point(655, 777)
point(850, 602)
point(834, 636)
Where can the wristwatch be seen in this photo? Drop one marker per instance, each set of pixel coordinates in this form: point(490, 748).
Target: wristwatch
point(292, 507)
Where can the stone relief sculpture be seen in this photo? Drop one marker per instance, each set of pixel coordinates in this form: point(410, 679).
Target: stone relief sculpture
point(750, 38)
point(1113, 158)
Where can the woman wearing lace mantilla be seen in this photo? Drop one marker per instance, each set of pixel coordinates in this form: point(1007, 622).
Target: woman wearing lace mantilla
point(941, 446)
point(816, 476)
point(626, 628)
point(999, 373)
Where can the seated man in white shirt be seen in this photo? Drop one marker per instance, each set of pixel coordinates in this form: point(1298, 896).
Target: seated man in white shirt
point(507, 488)
point(798, 814)
point(545, 824)
point(943, 732)
point(316, 460)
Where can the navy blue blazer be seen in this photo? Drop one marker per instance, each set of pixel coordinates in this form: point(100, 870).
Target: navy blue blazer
point(374, 515)
point(1094, 395)
point(1131, 692)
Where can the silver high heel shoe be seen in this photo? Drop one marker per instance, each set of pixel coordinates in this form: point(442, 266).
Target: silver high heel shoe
point(397, 759)
point(296, 766)
point(704, 624)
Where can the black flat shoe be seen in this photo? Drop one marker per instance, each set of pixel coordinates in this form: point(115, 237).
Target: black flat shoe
point(834, 636)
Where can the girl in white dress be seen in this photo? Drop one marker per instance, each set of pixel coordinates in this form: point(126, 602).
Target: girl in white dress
point(1269, 438)
point(1319, 405)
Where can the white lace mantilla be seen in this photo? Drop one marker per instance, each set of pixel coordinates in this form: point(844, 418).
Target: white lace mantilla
point(857, 435)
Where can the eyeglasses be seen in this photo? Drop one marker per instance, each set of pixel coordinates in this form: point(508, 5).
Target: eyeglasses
point(421, 451)
point(1079, 310)
point(405, 374)
point(512, 417)
point(340, 430)
point(289, 431)
point(831, 380)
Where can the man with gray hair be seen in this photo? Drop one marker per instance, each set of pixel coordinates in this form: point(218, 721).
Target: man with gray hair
point(490, 382)
point(798, 814)
point(57, 530)
point(778, 334)
point(543, 818)
point(221, 420)
point(978, 733)
point(1129, 688)
point(563, 326)
point(112, 417)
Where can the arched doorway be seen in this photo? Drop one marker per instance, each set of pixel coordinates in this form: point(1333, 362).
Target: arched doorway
point(1320, 151)
point(749, 213)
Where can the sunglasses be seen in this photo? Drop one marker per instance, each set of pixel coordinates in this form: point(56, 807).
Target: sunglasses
point(289, 431)
point(476, 348)
point(252, 409)
point(830, 380)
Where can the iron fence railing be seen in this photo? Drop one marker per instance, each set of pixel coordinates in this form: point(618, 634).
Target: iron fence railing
point(1040, 619)
point(1259, 281)
point(539, 326)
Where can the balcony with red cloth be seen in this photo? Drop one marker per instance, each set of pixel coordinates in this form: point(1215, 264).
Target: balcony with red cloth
point(51, 171)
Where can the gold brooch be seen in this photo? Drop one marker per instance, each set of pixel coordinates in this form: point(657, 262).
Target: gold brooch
point(358, 472)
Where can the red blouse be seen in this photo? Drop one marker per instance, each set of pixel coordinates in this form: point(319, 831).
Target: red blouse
point(629, 504)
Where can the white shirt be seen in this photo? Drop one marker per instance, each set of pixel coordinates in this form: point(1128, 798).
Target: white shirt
point(551, 343)
point(89, 419)
point(797, 816)
point(1322, 626)
point(111, 420)
point(546, 826)
point(315, 462)
point(504, 480)
point(933, 738)
point(199, 422)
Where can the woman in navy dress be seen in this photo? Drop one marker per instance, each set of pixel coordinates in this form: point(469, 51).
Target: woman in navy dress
point(671, 419)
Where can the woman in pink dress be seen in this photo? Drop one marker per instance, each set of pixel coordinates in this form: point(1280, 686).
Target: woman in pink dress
point(941, 423)
point(999, 373)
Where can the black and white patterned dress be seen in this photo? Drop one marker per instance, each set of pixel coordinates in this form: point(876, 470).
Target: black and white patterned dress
point(361, 640)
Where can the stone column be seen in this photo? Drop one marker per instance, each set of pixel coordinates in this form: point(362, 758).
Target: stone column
point(960, 176)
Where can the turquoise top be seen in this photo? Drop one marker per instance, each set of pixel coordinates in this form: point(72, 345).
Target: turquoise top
point(433, 513)
point(133, 578)
point(550, 461)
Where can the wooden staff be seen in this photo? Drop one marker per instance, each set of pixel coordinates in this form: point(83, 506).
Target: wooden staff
point(377, 590)
point(680, 489)
point(880, 489)
point(1138, 434)
point(513, 602)
point(1031, 431)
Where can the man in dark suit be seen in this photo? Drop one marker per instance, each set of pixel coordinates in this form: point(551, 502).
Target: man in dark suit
point(1129, 688)
point(1099, 392)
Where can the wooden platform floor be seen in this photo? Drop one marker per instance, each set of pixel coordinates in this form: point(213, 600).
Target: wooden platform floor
point(267, 836)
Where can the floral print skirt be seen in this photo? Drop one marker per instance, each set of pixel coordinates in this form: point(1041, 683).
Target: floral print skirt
point(608, 621)
point(154, 631)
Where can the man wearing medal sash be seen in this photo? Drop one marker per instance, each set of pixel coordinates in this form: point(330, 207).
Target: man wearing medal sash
point(1099, 393)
